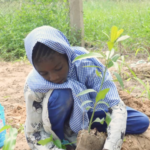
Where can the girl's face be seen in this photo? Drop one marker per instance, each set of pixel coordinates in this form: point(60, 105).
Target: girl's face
point(55, 69)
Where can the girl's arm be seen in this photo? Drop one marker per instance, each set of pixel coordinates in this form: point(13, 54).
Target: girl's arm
point(117, 127)
point(34, 130)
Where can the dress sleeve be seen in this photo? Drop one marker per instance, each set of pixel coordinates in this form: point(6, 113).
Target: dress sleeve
point(117, 127)
point(34, 130)
point(90, 79)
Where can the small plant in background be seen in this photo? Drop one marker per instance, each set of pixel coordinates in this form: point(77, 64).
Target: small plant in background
point(143, 50)
point(10, 138)
point(22, 59)
point(133, 75)
point(101, 15)
point(50, 139)
point(6, 97)
point(56, 142)
point(146, 87)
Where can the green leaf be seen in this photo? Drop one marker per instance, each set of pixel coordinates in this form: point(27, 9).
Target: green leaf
point(85, 102)
point(140, 81)
point(108, 119)
point(89, 55)
point(63, 147)
point(102, 102)
point(57, 143)
point(114, 31)
point(10, 140)
point(93, 66)
point(106, 34)
point(133, 73)
point(124, 139)
point(119, 79)
point(86, 91)
point(143, 93)
point(113, 59)
point(101, 94)
point(119, 32)
point(101, 121)
point(110, 45)
point(147, 86)
point(148, 92)
point(122, 38)
point(46, 141)
point(88, 108)
point(137, 51)
point(99, 74)
point(5, 128)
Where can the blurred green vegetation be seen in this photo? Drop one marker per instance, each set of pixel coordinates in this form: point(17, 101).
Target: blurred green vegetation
point(131, 15)
point(19, 17)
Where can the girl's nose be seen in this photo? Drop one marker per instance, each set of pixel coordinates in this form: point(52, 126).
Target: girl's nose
point(53, 77)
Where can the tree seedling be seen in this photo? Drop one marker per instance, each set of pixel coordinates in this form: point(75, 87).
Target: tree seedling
point(10, 138)
point(110, 60)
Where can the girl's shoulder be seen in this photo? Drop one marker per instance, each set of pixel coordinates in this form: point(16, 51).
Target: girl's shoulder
point(29, 94)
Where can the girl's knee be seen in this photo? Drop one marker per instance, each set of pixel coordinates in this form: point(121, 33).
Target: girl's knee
point(137, 122)
point(60, 105)
point(145, 122)
point(61, 98)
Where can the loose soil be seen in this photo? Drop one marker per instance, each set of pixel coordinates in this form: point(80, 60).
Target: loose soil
point(93, 141)
point(12, 78)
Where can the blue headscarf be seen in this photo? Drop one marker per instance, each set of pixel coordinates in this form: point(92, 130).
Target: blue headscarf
point(79, 77)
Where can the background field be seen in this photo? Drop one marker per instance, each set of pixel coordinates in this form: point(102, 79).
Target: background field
point(19, 17)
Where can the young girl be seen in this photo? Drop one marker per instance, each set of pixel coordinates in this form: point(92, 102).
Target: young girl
point(51, 94)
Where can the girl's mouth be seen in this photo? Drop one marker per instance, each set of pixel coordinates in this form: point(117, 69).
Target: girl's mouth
point(62, 81)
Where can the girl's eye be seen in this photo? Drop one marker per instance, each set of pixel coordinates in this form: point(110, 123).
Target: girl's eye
point(58, 69)
point(43, 74)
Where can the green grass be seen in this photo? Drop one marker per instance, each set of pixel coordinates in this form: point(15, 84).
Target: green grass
point(133, 17)
point(18, 18)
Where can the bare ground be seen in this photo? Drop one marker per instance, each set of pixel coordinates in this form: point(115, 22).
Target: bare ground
point(12, 78)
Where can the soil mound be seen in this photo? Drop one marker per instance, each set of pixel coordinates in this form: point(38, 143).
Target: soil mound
point(12, 77)
point(142, 141)
point(90, 141)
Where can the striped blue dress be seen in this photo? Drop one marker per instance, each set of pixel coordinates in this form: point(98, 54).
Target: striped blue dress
point(79, 77)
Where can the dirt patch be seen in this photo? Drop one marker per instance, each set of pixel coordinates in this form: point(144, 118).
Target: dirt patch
point(12, 78)
point(90, 141)
point(142, 141)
